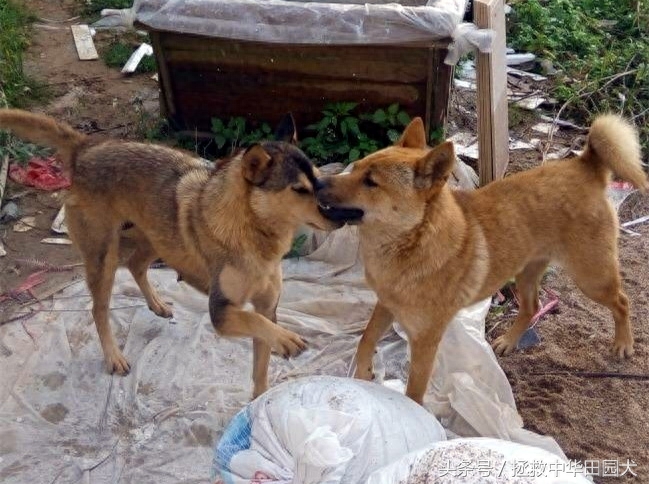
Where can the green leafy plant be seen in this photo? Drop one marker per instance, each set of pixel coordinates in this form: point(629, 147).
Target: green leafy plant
point(601, 48)
point(344, 136)
point(296, 246)
point(235, 133)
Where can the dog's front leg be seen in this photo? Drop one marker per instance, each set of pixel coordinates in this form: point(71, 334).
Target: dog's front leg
point(231, 321)
point(423, 347)
point(266, 304)
point(378, 324)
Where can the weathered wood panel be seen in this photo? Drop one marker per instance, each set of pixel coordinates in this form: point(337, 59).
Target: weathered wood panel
point(493, 124)
point(204, 77)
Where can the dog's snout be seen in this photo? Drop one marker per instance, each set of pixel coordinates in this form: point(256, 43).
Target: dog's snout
point(321, 183)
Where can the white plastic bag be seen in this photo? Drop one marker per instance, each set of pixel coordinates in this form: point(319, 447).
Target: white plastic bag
point(480, 460)
point(323, 430)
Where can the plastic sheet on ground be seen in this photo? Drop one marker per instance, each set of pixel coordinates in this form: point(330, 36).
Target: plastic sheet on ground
point(63, 419)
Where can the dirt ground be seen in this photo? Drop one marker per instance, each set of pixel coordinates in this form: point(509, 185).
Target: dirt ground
point(569, 386)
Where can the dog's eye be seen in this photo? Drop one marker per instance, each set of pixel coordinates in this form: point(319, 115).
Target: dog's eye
point(302, 190)
point(368, 182)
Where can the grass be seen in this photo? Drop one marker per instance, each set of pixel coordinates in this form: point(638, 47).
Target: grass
point(17, 90)
point(601, 48)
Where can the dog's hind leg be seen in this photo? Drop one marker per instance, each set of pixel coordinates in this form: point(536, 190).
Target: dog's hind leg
point(98, 242)
point(601, 282)
point(375, 329)
point(138, 264)
point(527, 287)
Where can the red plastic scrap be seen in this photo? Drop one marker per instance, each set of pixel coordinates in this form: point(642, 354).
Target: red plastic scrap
point(42, 173)
point(28, 284)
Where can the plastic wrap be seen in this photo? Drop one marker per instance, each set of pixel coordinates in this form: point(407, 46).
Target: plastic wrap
point(296, 22)
point(63, 419)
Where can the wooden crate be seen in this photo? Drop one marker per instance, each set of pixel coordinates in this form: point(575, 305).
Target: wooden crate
point(205, 77)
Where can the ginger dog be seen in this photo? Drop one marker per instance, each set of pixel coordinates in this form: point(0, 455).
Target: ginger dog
point(224, 230)
point(430, 251)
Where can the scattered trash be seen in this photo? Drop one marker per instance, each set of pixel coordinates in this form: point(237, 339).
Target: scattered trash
point(155, 77)
point(531, 102)
point(9, 212)
point(637, 221)
point(56, 241)
point(59, 226)
point(464, 84)
point(24, 292)
point(115, 18)
point(43, 173)
point(4, 169)
point(563, 123)
point(321, 429)
point(529, 339)
point(518, 59)
point(136, 57)
point(3, 252)
point(25, 224)
point(466, 144)
point(545, 128)
point(531, 75)
point(83, 42)
point(519, 144)
point(548, 68)
point(618, 192)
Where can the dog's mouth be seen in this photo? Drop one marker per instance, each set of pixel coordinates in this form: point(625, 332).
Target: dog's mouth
point(348, 215)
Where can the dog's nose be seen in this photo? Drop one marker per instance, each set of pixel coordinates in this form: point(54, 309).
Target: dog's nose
point(321, 183)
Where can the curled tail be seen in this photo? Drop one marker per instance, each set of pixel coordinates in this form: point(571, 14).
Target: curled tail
point(42, 130)
point(613, 144)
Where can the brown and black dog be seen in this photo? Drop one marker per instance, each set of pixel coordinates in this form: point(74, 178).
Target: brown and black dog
point(429, 251)
point(224, 230)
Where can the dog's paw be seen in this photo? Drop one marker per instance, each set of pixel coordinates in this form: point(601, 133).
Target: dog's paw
point(161, 310)
point(364, 372)
point(502, 346)
point(287, 343)
point(623, 349)
point(116, 363)
point(259, 390)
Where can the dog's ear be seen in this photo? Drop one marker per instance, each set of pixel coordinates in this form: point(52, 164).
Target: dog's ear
point(256, 165)
point(436, 166)
point(414, 136)
point(286, 130)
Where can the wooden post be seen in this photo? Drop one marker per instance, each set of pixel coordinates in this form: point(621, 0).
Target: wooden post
point(493, 127)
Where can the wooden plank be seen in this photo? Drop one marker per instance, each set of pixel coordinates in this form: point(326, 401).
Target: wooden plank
point(83, 42)
point(493, 131)
point(376, 64)
point(442, 77)
point(167, 106)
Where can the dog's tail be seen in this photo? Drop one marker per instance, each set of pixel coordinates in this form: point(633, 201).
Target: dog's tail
point(614, 145)
point(42, 130)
